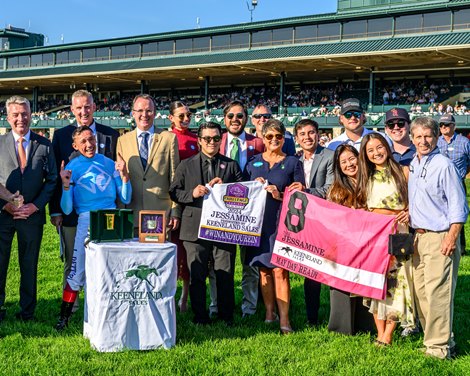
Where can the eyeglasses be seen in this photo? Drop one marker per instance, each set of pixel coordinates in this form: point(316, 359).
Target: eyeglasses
point(350, 114)
point(399, 123)
point(442, 125)
point(208, 139)
point(259, 116)
point(141, 112)
point(231, 115)
point(187, 114)
point(270, 136)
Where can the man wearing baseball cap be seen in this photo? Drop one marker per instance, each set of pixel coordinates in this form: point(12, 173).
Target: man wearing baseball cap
point(397, 128)
point(457, 148)
point(352, 118)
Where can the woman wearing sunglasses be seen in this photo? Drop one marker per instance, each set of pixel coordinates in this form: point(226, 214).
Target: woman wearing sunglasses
point(180, 118)
point(279, 172)
point(382, 188)
point(347, 313)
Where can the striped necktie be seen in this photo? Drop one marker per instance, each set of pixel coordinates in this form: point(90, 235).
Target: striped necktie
point(144, 148)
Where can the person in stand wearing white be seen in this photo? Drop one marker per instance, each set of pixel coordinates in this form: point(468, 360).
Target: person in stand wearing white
point(90, 181)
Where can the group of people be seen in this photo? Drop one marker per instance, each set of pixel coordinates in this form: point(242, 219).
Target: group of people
point(88, 166)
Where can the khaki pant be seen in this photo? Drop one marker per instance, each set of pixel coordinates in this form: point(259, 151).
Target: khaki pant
point(435, 279)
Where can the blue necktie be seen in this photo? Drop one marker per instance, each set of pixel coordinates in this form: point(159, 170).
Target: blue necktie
point(144, 148)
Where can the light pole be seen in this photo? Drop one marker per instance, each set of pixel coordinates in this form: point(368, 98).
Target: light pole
point(254, 3)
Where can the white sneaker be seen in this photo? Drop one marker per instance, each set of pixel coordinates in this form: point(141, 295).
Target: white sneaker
point(410, 331)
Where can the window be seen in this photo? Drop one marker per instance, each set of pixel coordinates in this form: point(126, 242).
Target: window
point(409, 24)
point(201, 44)
point(328, 31)
point(305, 34)
point(62, 57)
point(149, 49)
point(102, 53)
point(23, 61)
point(118, 52)
point(438, 21)
point(354, 29)
point(184, 46)
point(283, 36)
point(462, 19)
point(165, 47)
point(36, 60)
point(239, 40)
point(89, 54)
point(12, 62)
point(220, 42)
point(133, 50)
point(2, 63)
point(378, 27)
point(74, 56)
point(261, 38)
point(48, 59)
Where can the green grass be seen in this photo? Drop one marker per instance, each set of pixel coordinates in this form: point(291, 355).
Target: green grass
point(249, 348)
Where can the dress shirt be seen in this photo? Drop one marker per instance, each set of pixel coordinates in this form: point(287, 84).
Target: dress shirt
point(150, 139)
point(308, 169)
point(205, 167)
point(26, 143)
point(458, 150)
point(405, 158)
point(436, 195)
point(242, 147)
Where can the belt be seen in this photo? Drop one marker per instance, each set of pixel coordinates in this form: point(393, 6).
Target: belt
point(422, 230)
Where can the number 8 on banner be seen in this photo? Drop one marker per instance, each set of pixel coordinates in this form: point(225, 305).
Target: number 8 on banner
point(297, 213)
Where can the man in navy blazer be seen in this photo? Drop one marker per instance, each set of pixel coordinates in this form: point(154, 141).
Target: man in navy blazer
point(318, 170)
point(188, 189)
point(28, 167)
point(83, 108)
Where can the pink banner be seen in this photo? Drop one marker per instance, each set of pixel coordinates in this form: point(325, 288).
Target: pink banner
point(335, 245)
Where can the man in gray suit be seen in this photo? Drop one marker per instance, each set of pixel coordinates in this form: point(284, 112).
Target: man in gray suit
point(318, 169)
point(28, 166)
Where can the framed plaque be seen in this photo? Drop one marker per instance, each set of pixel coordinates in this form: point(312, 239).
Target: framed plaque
point(152, 226)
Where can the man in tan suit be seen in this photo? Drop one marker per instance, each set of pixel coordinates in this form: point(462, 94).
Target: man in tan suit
point(151, 156)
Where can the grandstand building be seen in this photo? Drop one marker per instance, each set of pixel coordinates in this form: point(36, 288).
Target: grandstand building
point(366, 42)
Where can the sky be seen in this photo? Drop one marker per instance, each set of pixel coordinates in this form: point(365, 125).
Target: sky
point(69, 21)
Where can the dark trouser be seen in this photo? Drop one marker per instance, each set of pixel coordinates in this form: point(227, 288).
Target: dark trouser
point(312, 299)
point(348, 315)
point(223, 258)
point(29, 243)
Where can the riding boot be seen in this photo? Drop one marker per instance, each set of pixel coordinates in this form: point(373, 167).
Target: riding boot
point(65, 314)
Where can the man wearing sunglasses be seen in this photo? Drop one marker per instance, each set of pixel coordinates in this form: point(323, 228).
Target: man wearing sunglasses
point(397, 128)
point(352, 118)
point(260, 115)
point(457, 148)
point(188, 188)
point(241, 147)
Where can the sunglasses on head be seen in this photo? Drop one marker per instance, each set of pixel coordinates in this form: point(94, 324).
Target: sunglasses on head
point(208, 139)
point(187, 114)
point(259, 116)
point(442, 125)
point(270, 136)
point(400, 123)
point(350, 114)
point(231, 115)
